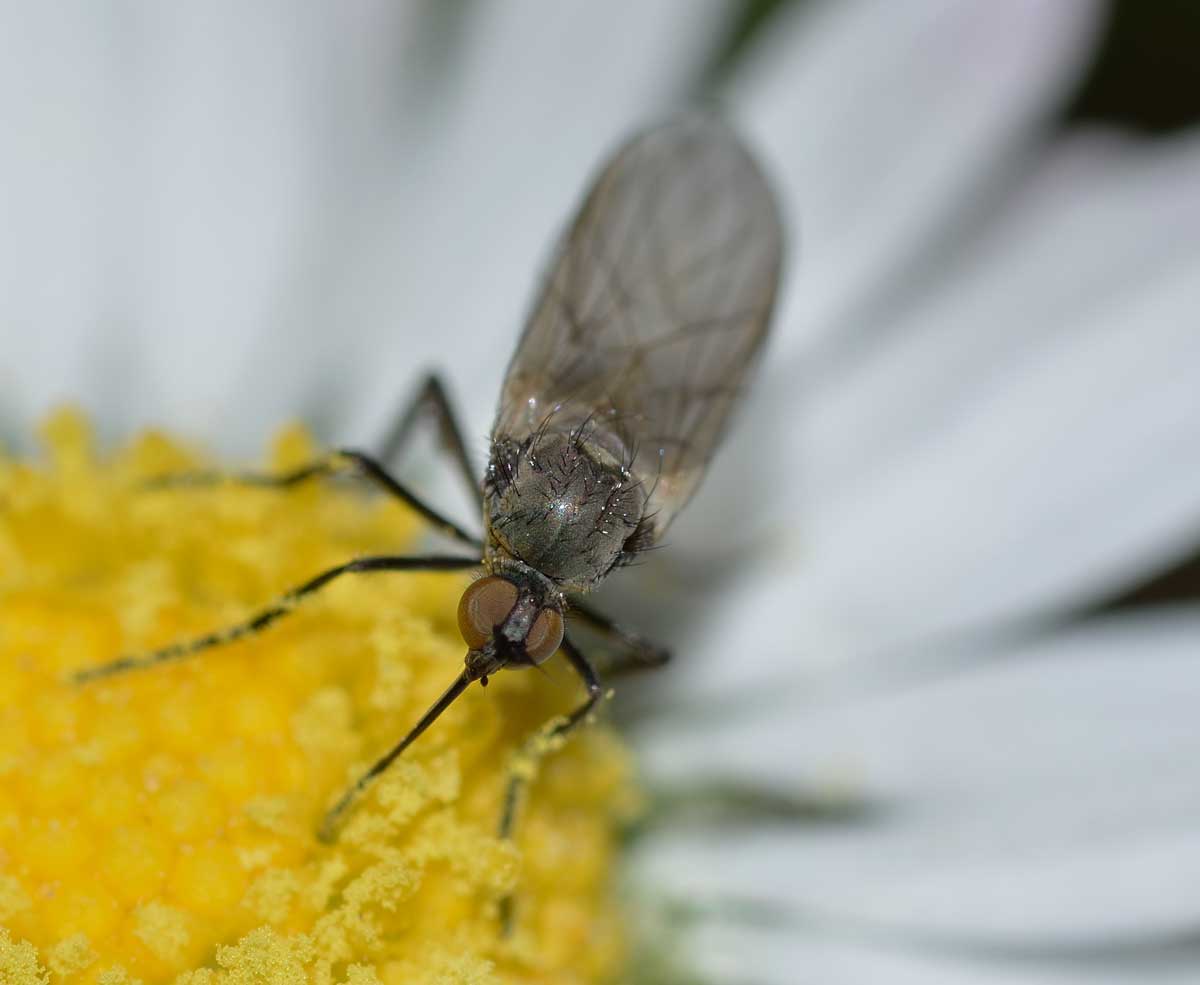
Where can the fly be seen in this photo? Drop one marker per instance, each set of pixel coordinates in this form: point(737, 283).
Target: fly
point(640, 342)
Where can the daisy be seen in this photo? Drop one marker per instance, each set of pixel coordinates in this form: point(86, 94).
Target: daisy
point(976, 413)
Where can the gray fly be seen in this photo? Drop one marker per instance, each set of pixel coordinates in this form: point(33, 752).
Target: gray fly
point(641, 341)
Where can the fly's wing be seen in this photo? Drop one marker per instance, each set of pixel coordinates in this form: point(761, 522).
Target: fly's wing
point(654, 307)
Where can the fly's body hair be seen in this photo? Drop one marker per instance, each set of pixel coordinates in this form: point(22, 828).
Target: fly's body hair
point(640, 541)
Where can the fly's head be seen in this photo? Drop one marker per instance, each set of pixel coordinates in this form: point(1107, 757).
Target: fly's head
point(509, 620)
point(562, 505)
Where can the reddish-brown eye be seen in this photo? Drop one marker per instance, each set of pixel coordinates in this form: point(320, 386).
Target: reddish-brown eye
point(544, 636)
point(485, 605)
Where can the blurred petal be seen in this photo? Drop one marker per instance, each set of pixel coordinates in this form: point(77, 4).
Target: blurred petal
point(250, 195)
point(883, 125)
point(1098, 220)
point(850, 956)
point(1023, 443)
point(1054, 422)
point(1046, 801)
point(244, 119)
point(882, 120)
point(169, 162)
point(58, 86)
point(442, 266)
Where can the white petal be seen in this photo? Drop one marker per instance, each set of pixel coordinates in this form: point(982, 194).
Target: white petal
point(176, 160)
point(276, 205)
point(441, 268)
point(58, 83)
point(885, 125)
point(1059, 465)
point(246, 127)
point(781, 955)
point(883, 120)
point(1099, 219)
point(1021, 443)
point(1045, 799)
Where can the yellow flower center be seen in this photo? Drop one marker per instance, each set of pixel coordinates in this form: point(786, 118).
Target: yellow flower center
point(160, 825)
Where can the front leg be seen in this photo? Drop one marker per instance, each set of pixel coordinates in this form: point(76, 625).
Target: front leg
point(283, 606)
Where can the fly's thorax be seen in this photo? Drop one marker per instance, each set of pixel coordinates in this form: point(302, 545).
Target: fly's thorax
point(563, 504)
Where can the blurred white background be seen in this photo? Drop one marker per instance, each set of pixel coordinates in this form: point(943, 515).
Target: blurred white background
point(912, 606)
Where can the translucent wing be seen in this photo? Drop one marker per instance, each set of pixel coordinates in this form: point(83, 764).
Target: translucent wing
point(654, 307)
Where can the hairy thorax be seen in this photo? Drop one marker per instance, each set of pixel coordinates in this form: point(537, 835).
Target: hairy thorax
point(563, 504)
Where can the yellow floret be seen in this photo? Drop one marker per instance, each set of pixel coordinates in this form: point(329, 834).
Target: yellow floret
point(160, 826)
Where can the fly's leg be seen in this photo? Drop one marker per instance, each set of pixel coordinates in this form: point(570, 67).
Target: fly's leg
point(376, 473)
point(432, 398)
point(637, 652)
point(549, 737)
point(523, 765)
point(277, 610)
point(344, 461)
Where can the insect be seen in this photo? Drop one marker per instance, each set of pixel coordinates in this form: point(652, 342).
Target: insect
point(640, 342)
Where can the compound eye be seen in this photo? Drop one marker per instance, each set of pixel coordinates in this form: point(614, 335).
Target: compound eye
point(544, 636)
point(484, 606)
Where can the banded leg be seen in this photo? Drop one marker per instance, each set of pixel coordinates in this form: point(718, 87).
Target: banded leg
point(432, 397)
point(638, 653)
point(341, 462)
point(522, 767)
point(277, 610)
